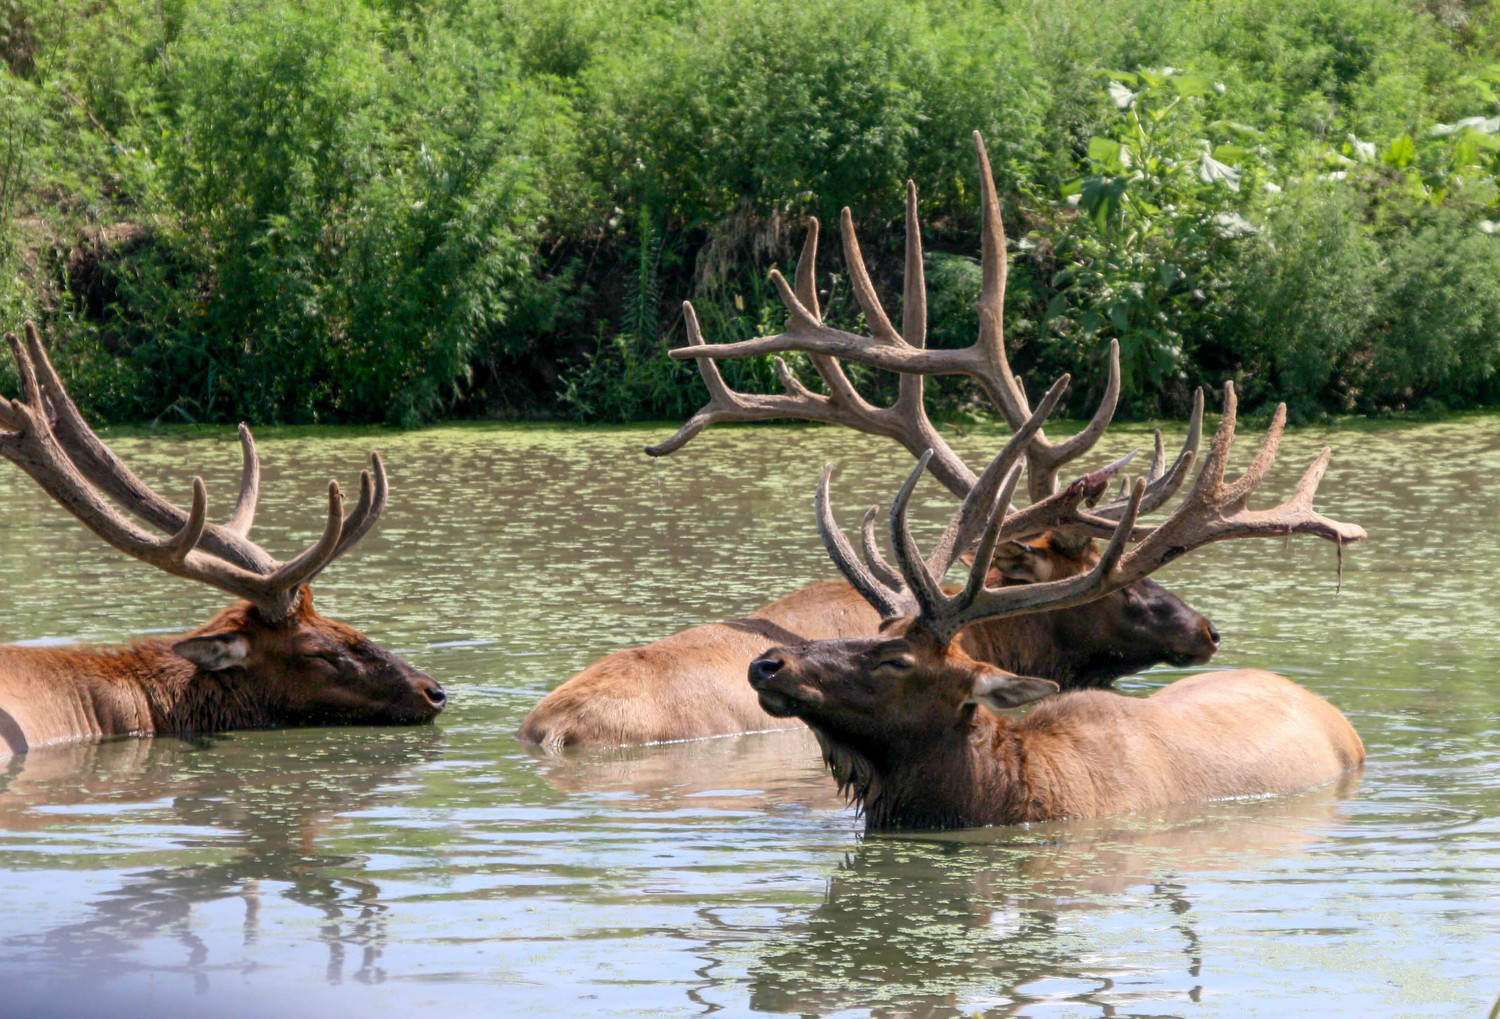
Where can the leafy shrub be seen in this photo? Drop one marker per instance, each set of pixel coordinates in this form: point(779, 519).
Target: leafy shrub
point(397, 210)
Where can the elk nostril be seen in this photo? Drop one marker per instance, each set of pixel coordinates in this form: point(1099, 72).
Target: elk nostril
point(435, 695)
point(1213, 634)
point(765, 668)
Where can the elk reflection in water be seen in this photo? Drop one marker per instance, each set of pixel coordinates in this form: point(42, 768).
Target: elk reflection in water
point(971, 922)
point(266, 812)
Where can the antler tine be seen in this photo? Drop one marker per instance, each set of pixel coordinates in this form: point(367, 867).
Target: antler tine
point(99, 465)
point(840, 389)
point(864, 290)
point(1001, 384)
point(319, 554)
point(984, 552)
point(807, 270)
point(883, 570)
point(243, 517)
point(374, 490)
point(910, 392)
point(1045, 459)
point(1241, 488)
point(185, 540)
point(925, 588)
point(31, 392)
point(1161, 487)
point(1158, 458)
point(914, 285)
point(888, 602)
point(64, 456)
point(723, 402)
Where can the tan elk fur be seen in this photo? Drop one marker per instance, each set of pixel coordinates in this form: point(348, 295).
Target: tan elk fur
point(1213, 736)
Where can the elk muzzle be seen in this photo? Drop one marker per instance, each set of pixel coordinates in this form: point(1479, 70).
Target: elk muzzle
point(774, 677)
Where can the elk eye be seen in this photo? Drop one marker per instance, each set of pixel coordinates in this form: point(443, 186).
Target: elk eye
point(900, 663)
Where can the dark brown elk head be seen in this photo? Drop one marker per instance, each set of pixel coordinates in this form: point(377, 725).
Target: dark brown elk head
point(306, 669)
point(1123, 632)
point(885, 696)
point(270, 659)
point(1127, 630)
point(896, 714)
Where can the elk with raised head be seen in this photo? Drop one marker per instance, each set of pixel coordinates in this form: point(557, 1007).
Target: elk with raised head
point(268, 660)
point(691, 684)
point(898, 715)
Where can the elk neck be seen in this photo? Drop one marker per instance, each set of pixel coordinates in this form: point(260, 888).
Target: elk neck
point(137, 688)
point(974, 773)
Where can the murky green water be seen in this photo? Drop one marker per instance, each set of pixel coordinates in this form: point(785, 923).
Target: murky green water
point(371, 872)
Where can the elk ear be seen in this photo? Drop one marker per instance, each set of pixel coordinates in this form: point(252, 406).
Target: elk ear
point(997, 689)
point(1018, 561)
point(215, 651)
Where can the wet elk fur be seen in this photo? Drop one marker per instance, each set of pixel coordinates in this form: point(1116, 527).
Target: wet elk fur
point(269, 659)
point(916, 746)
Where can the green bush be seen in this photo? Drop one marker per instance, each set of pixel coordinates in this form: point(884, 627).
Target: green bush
point(384, 210)
point(367, 213)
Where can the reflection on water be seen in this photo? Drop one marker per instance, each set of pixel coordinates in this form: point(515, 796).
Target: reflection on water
point(319, 872)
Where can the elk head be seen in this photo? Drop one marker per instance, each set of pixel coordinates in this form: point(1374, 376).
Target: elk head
point(306, 669)
point(271, 658)
point(1123, 632)
point(896, 692)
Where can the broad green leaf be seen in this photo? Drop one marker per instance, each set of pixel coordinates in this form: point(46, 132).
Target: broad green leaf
point(1102, 197)
point(1105, 151)
point(1229, 153)
point(1402, 151)
point(1121, 76)
point(1190, 83)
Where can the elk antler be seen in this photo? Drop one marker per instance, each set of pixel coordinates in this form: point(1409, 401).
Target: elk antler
point(906, 353)
point(49, 439)
point(906, 420)
point(1214, 510)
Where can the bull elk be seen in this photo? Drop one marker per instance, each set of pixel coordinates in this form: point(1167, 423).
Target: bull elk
point(268, 660)
point(897, 714)
point(691, 684)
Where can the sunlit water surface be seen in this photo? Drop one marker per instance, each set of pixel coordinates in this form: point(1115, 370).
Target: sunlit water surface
point(372, 872)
